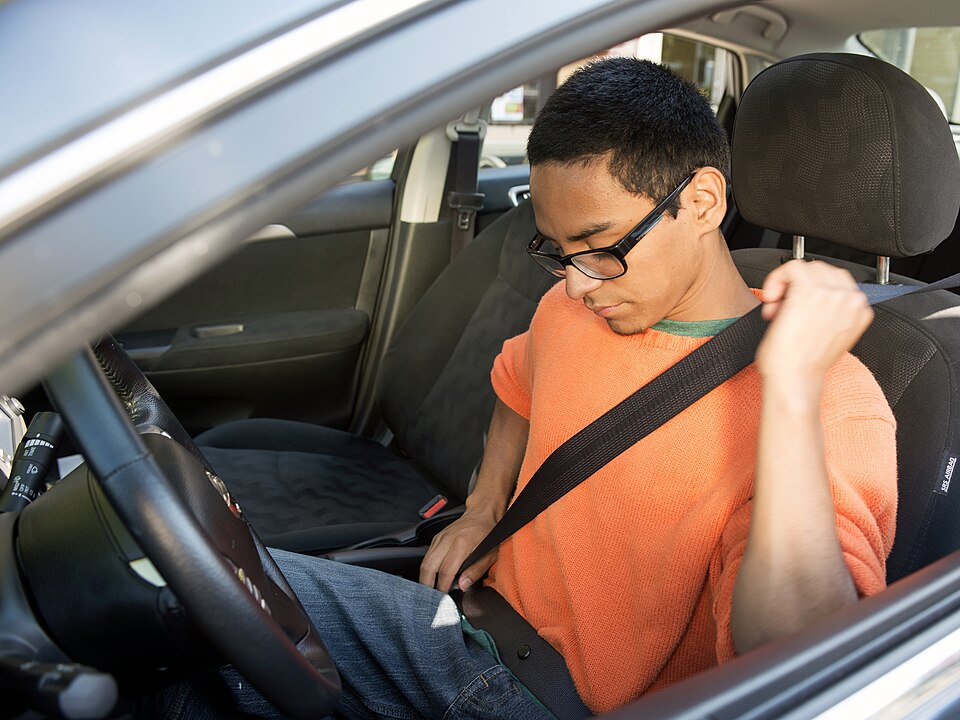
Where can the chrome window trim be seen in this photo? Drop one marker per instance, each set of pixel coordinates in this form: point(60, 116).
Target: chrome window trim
point(518, 193)
point(929, 678)
point(274, 231)
point(55, 175)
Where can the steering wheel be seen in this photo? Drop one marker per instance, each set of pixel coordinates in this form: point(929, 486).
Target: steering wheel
point(184, 519)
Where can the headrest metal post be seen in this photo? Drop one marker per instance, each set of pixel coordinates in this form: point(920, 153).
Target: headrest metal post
point(883, 270)
point(798, 247)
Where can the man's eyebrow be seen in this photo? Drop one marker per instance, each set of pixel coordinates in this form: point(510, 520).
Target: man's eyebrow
point(587, 232)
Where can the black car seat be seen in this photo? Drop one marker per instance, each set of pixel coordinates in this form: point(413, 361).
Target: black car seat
point(853, 151)
point(310, 488)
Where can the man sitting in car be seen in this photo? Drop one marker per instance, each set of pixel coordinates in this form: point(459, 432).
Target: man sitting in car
point(762, 507)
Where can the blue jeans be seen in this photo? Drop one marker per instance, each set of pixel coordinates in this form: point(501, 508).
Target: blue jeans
point(399, 647)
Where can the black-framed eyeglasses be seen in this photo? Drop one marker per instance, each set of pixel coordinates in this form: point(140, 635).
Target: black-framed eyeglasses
point(603, 263)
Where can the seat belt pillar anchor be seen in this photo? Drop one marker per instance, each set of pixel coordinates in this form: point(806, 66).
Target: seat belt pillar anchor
point(467, 205)
point(466, 133)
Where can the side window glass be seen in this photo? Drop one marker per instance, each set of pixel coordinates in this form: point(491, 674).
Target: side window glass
point(382, 169)
point(755, 65)
point(509, 119)
point(930, 55)
point(703, 64)
point(510, 116)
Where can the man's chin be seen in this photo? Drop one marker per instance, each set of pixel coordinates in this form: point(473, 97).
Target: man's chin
point(624, 327)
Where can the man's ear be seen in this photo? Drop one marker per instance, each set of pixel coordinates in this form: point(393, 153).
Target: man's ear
point(710, 198)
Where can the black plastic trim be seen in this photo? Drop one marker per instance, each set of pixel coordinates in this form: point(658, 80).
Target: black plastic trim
point(20, 633)
point(495, 184)
point(355, 206)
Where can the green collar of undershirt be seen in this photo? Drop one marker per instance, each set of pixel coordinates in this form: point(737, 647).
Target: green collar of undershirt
point(695, 328)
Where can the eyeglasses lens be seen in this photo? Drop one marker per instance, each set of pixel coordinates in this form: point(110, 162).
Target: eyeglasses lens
point(599, 265)
point(550, 265)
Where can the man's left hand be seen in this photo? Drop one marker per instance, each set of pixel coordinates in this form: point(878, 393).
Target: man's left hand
point(817, 313)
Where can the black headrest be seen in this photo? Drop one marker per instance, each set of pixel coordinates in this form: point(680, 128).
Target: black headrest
point(849, 149)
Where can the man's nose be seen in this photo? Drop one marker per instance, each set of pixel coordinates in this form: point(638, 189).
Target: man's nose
point(578, 284)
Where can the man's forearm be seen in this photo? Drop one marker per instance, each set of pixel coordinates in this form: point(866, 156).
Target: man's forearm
point(502, 458)
point(793, 570)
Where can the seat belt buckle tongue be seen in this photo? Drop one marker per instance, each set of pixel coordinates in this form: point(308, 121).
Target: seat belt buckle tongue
point(467, 205)
point(435, 505)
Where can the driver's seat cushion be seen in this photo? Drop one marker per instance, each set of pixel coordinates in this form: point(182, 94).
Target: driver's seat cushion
point(295, 480)
point(310, 489)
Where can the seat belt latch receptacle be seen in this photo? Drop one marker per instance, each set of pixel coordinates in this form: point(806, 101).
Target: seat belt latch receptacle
point(435, 505)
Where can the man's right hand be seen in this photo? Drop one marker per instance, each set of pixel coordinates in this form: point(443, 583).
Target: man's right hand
point(452, 546)
point(502, 457)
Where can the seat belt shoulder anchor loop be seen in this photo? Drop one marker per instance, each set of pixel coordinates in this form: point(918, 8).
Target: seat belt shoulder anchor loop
point(468, 123)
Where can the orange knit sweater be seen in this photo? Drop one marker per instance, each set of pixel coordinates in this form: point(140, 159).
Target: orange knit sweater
point(630, 575)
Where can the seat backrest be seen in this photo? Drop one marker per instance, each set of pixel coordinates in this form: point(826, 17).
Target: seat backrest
point(851, 150)
point(434, 385)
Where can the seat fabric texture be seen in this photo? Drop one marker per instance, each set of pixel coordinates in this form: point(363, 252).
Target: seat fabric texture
point(311, 489)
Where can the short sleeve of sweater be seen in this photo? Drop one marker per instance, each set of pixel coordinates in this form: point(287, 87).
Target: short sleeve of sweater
point(860, 453)
point(511, 375)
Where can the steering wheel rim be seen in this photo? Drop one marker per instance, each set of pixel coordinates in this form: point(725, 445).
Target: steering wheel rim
point(299, 679)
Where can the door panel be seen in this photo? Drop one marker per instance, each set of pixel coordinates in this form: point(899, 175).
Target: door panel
point(499, 187)
point(279, 328)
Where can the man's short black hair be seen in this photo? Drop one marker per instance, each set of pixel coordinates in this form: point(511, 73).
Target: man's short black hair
point(656, 127)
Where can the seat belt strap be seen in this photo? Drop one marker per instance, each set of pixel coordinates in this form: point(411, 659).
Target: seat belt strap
point(625, 424)
point(530, 658)
point(463, 198)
